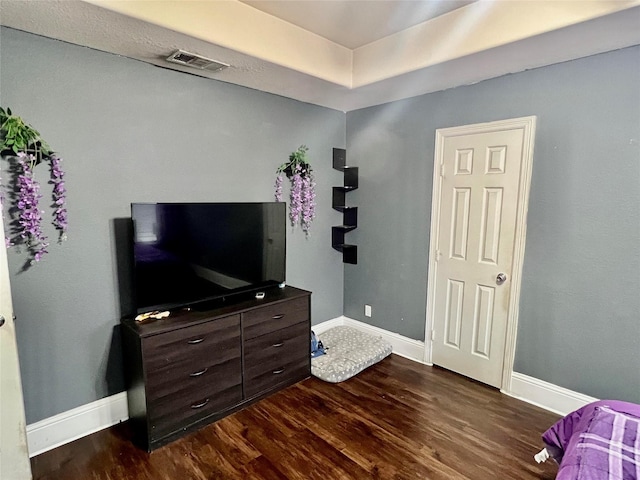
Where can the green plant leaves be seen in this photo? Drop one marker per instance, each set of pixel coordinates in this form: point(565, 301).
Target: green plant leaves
point(18, 136)
point(299, 157)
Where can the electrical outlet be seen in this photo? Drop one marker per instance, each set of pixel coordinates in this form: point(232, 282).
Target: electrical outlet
point(367, 310)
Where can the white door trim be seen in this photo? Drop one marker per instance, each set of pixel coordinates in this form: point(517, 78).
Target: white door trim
point(14, 458)
point(528, 125)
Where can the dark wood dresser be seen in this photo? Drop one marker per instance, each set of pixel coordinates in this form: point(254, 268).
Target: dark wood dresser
point(195, 367)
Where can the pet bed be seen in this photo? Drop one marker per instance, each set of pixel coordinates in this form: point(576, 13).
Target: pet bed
point(348, 352)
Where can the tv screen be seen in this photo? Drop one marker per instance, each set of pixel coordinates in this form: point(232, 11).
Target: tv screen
point(188, 254)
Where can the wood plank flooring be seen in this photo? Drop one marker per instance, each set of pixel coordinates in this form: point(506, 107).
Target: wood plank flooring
point(396, 420)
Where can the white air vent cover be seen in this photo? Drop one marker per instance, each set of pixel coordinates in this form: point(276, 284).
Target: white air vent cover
point(196, 61)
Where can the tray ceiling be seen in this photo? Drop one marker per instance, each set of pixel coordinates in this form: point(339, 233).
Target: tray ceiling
point(343, 55)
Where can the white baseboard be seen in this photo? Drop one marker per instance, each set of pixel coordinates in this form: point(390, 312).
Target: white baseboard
point(403, 346)
point(324, 326)
point(68, 426)
point(65, 427)
point(537, 392)
point(546, 395)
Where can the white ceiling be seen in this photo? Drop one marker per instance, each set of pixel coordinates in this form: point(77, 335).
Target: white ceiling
point(355, 23)
point(345, 54)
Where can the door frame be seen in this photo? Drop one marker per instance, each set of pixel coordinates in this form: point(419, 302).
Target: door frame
point(14, 455)
point(528, 125)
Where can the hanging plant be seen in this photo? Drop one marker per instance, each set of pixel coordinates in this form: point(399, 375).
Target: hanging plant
point(302, 206)
point(24, 149)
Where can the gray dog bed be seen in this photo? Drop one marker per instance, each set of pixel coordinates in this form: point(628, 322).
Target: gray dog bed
point(348, 352)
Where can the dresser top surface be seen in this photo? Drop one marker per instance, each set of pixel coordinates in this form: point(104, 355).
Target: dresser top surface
point(186, 317)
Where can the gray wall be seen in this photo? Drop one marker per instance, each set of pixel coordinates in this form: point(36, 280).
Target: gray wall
point(132, 132)
point(128, 131)
point(579, 323)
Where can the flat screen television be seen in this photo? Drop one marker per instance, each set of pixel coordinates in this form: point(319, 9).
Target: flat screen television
point(193, 254)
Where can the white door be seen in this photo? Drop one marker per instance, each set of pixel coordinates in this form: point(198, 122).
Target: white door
point(482, 183)
point(14, 456)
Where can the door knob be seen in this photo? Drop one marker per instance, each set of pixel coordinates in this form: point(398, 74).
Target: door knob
point(1, 320)
point(501, 278)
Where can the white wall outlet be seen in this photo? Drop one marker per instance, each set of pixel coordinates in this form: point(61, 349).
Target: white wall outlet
point(367, 310)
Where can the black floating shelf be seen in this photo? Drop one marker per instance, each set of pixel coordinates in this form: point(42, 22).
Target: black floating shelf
point(339, 202)
point(349, 253)
point(345, 228)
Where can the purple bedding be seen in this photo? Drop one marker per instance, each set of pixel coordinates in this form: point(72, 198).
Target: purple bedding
point(600, 441)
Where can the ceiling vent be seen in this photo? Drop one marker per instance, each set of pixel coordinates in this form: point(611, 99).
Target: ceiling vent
point(196, 61)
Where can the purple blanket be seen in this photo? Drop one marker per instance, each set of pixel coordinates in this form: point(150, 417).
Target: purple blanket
point(600, 441)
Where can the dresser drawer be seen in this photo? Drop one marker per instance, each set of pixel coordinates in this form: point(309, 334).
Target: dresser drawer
point(223, 372)
point(275, 317)
point(223, 359)
point(186, 350)
point(277, 358)
point(269, 351)
point(174, 412)
point(291, 371)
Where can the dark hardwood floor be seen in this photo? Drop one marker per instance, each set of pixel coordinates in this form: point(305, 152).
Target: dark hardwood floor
point(396, 420)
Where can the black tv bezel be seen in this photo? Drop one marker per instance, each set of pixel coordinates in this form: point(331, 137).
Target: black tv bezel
point(212, 301)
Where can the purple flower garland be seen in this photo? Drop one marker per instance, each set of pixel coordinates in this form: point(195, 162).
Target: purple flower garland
point(302, 197)
point(308, 203)
point(59, 198)
point(295, 205)
point(278, 186)
point(27, 223)
point(30, 217)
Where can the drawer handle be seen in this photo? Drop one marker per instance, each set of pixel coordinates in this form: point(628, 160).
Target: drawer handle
point(276, 345)
point(278, 372)
point(195, 340)
point(199, 405)
point(197, 374)
point(276, 317)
